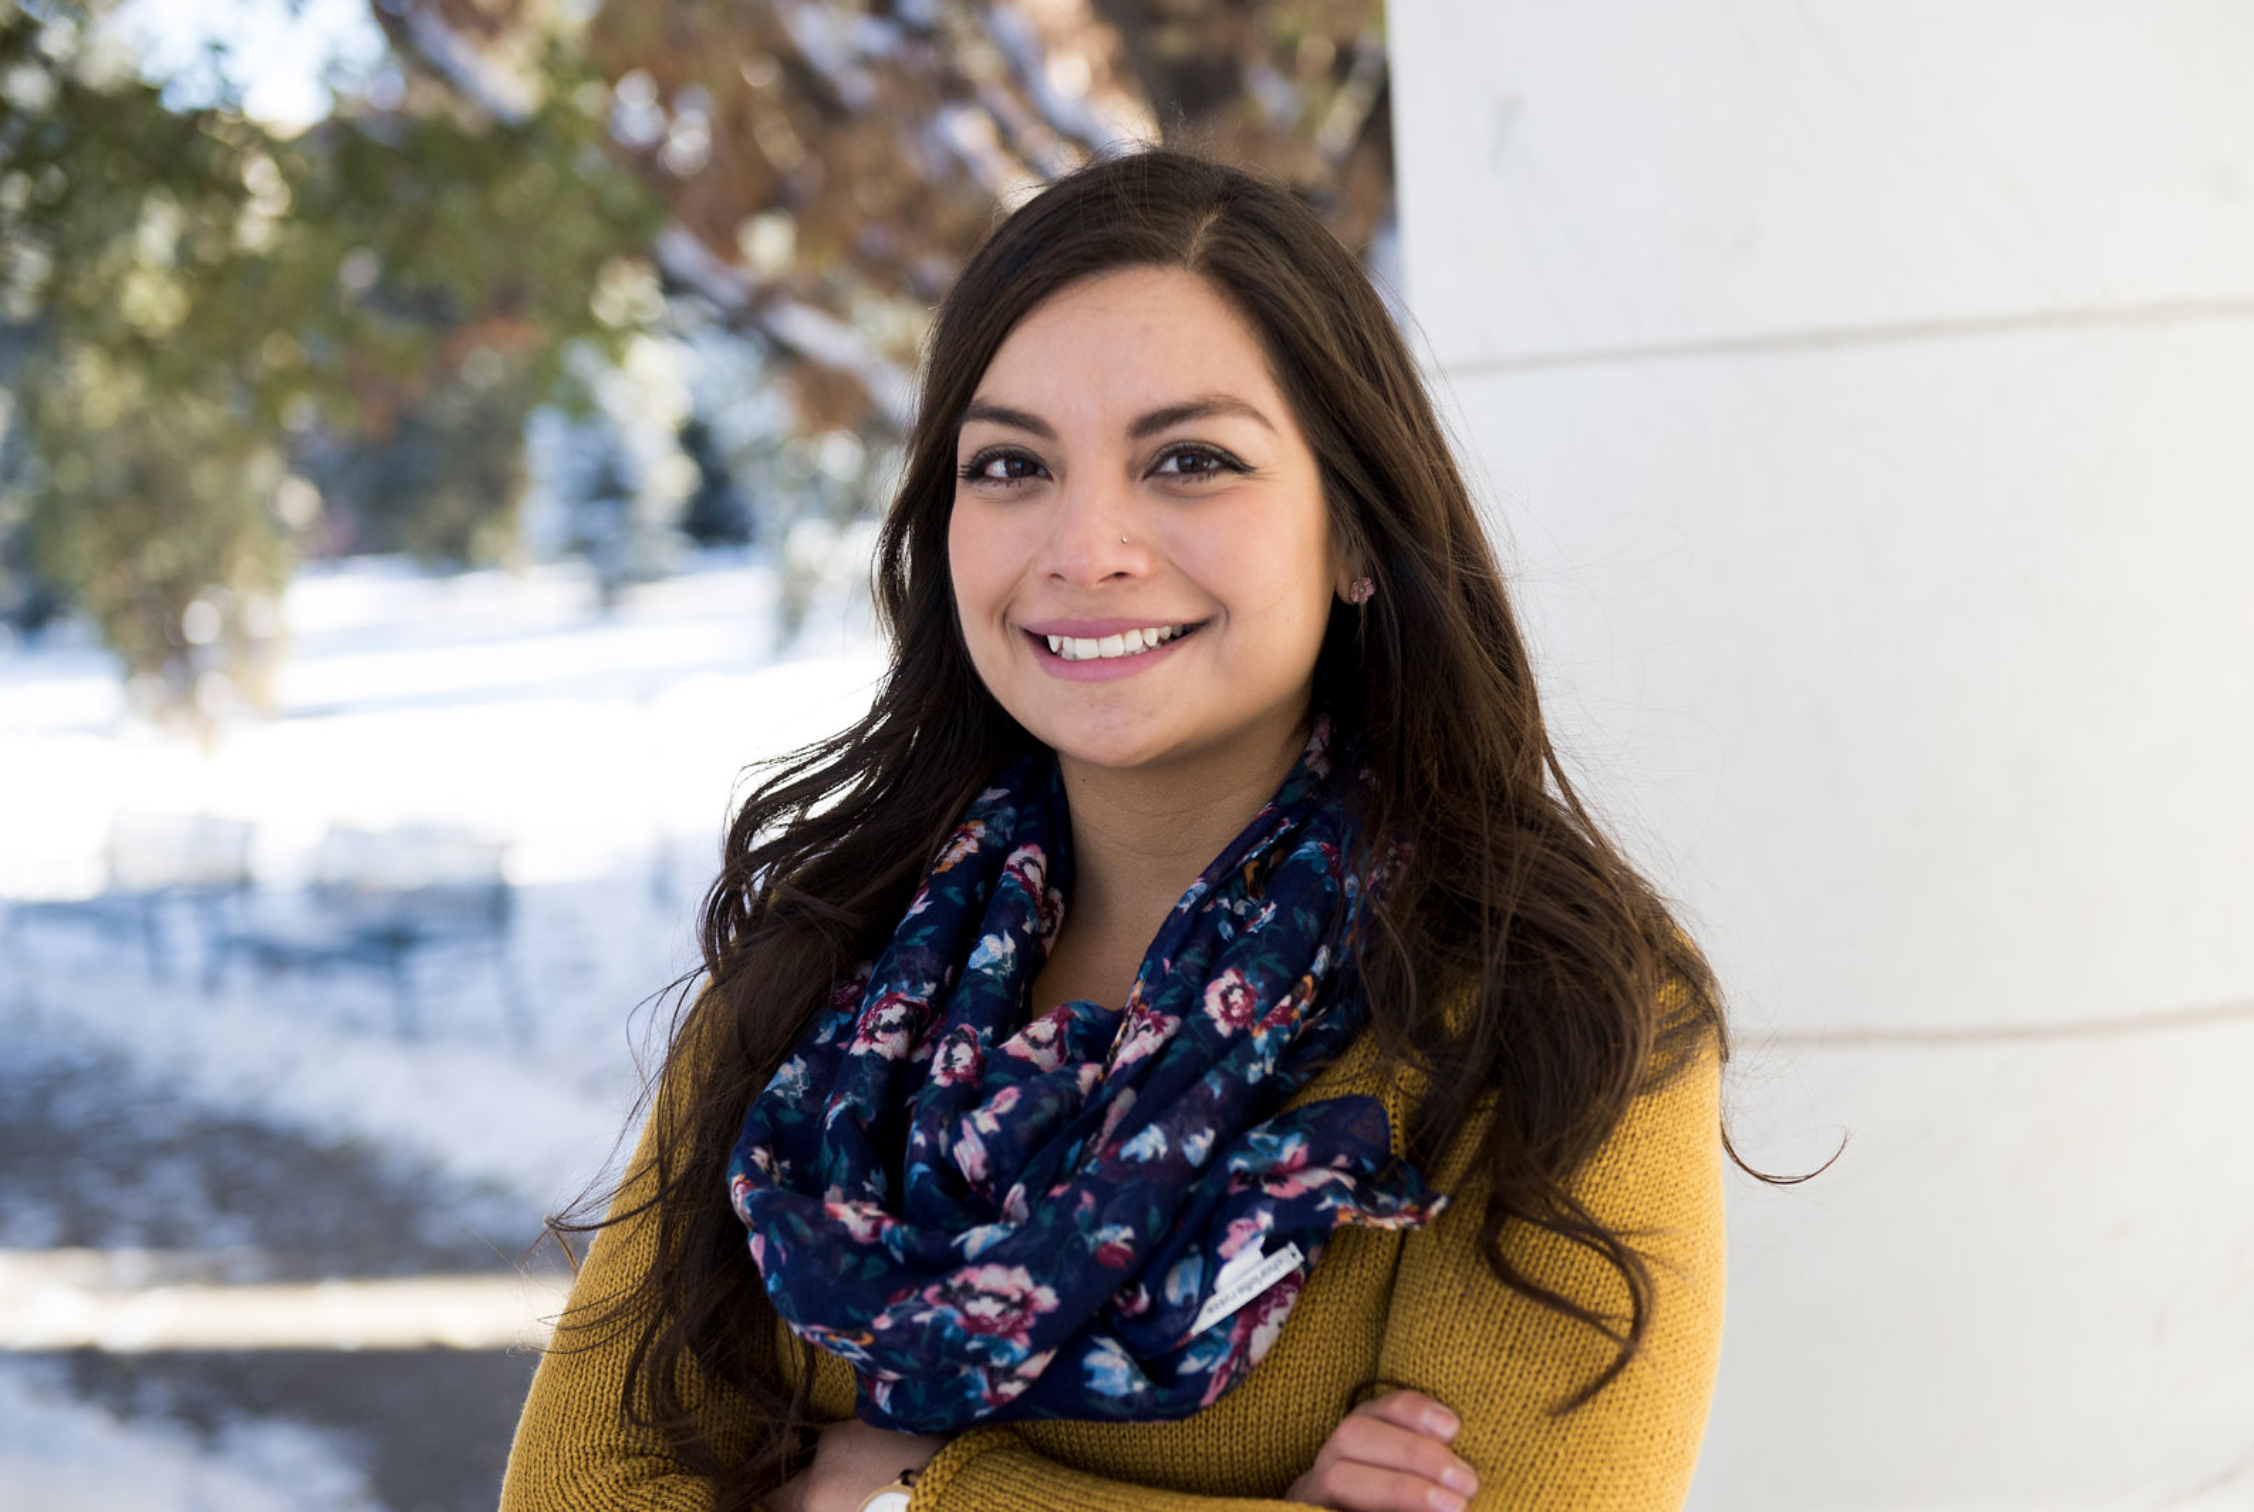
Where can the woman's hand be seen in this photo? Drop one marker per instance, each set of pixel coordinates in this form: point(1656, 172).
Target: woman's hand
point(1390, 1455)
point(851, 1459)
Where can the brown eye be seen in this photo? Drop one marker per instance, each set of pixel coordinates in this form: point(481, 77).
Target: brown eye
point(998, 466)
point(1197, 462)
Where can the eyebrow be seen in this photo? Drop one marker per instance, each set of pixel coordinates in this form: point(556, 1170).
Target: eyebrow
point(1208, 407)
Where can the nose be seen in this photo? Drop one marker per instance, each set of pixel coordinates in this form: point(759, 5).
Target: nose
point(1093, 537)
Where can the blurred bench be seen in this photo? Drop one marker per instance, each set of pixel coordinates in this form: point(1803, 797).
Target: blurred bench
point(157, 866)
point(382, 899)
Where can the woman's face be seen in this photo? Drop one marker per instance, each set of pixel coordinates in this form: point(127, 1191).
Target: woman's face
point(1141, 555)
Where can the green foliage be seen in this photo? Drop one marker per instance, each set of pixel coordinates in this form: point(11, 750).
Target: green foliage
point(203, 307)
point(158, 517)
point(222, 346)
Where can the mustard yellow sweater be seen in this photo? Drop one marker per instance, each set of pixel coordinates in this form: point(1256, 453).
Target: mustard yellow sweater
point(1416, 1309)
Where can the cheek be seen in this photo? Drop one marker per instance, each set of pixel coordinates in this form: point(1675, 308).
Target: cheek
point(957, 547)
point(1273, 570)
point(982, 570)
point(970, 565)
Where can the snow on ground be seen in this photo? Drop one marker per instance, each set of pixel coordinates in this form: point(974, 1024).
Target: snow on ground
point(600, 748)
point(58, 1452)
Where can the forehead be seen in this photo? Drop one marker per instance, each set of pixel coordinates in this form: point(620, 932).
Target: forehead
point(1129, 339)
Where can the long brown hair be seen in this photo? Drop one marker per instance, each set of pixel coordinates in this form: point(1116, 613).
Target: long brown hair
point(1517, 959)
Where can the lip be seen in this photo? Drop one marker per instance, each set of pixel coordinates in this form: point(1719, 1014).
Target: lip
point(1102, 669)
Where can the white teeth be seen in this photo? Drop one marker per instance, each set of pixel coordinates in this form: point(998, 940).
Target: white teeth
point(1128, 643)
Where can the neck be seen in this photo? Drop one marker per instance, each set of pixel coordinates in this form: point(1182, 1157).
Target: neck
point(1140, 837)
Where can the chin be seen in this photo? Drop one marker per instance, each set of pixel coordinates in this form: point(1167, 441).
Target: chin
point(1115, 750)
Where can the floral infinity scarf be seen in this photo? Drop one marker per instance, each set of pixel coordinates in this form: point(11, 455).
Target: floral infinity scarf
point(1092, 1212)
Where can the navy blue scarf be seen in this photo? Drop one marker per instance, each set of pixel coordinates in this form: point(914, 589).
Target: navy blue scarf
point(1090, 1212)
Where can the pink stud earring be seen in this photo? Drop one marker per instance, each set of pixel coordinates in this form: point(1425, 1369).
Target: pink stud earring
point(1362, 592)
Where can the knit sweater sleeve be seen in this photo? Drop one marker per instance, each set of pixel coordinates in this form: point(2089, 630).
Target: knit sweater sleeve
point(574, 1449)
point(1502, 1362)
point(1449, 1330)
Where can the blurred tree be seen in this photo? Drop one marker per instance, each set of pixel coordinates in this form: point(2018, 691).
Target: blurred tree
point(223, 345)
point(829, 163)
point(204, 306)
point(716, 514)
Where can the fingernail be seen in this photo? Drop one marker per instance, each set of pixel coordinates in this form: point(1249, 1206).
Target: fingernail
point(1456, 1478)
point(1444, 1501)
point(1441, 1423)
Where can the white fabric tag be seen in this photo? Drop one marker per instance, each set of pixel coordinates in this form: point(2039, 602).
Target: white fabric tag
point(1245, 1277)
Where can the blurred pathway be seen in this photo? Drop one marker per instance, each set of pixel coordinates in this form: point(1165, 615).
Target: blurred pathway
point(93, 1160)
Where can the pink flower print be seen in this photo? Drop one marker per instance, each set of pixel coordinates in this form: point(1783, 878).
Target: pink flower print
point(998, 1387)
point(1114, 1115)
point(970, 1154)
point(1252, 1333)
point(847, 993)
point(1291, 1005)
point(1042, 1040)
point(1262, 1319)
point(999, 1302)
point(888, 1026)
point(958, 1058)
point(970, 1147)
point(1145, 1033)
point(1244, 1231)
point(1299, 1183)
point(1229, 1001)
point(960, 845)
point(1115, 1246)
point(1028, 867)
point(865, 1222)
point(996, 1108)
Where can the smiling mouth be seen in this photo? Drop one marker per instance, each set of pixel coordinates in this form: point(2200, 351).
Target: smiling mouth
point(1112, 647)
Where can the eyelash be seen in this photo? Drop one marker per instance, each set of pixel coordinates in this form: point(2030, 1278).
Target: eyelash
point(974, 471)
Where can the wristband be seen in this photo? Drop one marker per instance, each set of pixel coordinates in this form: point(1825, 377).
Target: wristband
point(892, 1498)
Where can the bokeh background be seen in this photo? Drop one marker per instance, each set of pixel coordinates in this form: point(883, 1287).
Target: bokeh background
point(439, 441)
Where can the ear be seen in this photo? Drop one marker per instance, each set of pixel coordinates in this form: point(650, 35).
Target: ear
point(1345, 566)
point(1346, 571)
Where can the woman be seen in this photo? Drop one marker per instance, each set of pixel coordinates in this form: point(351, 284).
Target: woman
point(1197, 934)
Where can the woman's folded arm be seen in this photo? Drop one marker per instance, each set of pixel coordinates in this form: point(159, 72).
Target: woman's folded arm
point(1505, 1363)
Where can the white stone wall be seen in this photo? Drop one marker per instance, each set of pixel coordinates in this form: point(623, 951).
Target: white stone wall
point(1864, 394)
